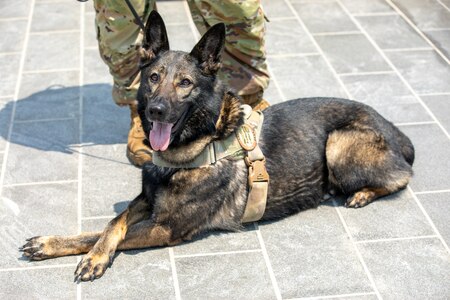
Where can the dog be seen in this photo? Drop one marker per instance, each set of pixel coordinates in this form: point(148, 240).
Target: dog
point(311, 147)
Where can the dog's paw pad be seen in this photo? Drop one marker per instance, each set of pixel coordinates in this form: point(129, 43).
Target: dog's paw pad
point(91, 267)
point(36, 248)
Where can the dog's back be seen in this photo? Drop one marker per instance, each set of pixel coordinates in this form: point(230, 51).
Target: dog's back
point(316, 145)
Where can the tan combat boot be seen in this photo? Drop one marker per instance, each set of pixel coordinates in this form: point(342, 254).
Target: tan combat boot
point(137, 152)
point(256, 101)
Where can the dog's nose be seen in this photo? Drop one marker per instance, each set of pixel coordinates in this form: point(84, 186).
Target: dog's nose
point(157, 111)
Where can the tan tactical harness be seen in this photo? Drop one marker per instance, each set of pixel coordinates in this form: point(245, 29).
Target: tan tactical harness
point(242, 145)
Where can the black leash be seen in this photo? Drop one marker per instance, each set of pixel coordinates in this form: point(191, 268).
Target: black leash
point(133, 11)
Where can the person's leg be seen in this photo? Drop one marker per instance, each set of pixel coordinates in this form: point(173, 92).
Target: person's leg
point(119, 37)
point(244, 60)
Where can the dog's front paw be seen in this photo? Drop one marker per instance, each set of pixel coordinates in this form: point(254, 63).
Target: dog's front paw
point(37, 248)
point(92, 266)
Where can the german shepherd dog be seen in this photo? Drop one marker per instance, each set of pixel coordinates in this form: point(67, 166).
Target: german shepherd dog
point(311, 146)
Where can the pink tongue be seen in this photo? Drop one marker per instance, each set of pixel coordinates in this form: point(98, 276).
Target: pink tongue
point(160, 136)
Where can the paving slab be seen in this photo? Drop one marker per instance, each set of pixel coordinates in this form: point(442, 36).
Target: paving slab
point(388, 95)
point(440, 107)
point(394, 216)
point(51, 16)
point(5, 119)
point(53, 95)
point(322, 17)
point(8, 73)
point(441, 39)
point(366, 7)
point(392, 32)
point(13, 34)
point(35, 210)
point(425, 71)
point(242, 276)
point(426, 14)
point(305, 76)
point(352, 53)
point(409, 269)
point(49, 51)
point(436, 205)
point(309, 251)
point(432, 161)
point(43, 151)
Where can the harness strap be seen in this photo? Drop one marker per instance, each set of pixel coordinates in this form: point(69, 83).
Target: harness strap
point(258, 178)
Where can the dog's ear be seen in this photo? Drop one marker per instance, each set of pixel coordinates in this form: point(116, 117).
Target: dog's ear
point(209, 49)
point(155, 38)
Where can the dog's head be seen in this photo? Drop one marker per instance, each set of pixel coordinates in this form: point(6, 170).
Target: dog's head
point(178, 96)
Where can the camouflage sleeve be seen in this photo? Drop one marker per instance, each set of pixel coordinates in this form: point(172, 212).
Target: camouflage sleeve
point(244, 61)
point(119, 37)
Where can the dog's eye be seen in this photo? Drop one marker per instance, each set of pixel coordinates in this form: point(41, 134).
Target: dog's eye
point(185, 82)
point(154, 77)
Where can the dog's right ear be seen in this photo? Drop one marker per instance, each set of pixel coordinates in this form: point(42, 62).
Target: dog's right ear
point(155, 38)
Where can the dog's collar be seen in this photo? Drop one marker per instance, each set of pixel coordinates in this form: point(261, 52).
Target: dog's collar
point(234, 146)
point(242, 145)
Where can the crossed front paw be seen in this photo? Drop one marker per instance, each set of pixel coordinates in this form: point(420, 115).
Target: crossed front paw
point(92, 266)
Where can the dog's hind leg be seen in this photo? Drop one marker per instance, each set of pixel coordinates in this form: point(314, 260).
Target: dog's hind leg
point(361, 163)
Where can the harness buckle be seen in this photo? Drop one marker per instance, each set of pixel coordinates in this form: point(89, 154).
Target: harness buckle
point(256, 171)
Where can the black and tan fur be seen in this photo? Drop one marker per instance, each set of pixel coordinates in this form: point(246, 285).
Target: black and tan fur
point(312, 146)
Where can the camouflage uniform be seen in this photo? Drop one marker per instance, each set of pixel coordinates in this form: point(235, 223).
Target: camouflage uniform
point(244, 67)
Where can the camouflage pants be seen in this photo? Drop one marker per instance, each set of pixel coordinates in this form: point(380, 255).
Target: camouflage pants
point(244, 68)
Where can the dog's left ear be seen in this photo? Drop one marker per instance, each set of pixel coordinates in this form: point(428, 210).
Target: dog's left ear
point(209, 49)
point(155, 38)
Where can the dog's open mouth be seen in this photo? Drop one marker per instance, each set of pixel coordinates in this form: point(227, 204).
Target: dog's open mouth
point(161, 133)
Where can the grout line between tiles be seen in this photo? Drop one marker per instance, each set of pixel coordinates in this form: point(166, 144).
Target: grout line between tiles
point(408, 49)
point(292, 55)
point(217, 253)
point(333, 296)
point(80, 134)
point(191, 22)
point(397, 239)
point(432, 192)
point(37, 267)
point(415, 123)
point(268, 263)
point(367, 73)
point(311, 37)
point(16, 95)
point(280, 18)
point(40, 183)
point(55, 31)
point(444, 5)
point(375, 14)
point(436, 29)
point(51, 70)
point(336, 33)
point(411, 23)
point(43, 120)
point(98, 218)
point(10, 53)
point(389, 62)
point(7, 97)
point(429, 219)
point(358, 253)
point(434, 94)
point(176, 284)
point(14, 19)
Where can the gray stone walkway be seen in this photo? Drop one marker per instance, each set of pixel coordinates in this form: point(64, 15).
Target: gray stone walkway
point(63, 165)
